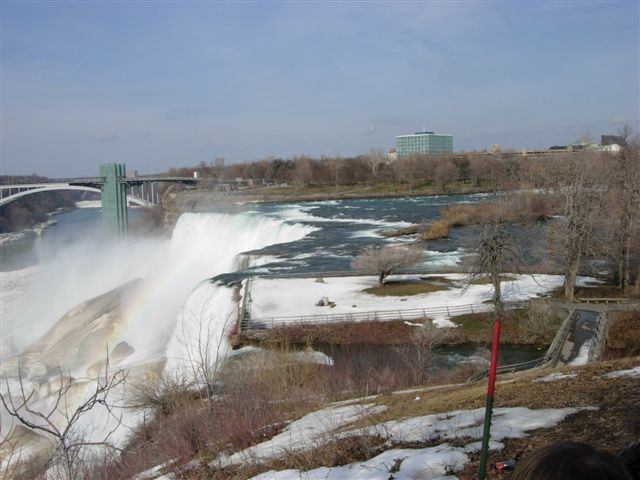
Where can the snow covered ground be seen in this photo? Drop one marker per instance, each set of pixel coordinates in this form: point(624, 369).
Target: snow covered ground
point(284, 297)
point(632, 372)
point(438, 462)
point(421, 463)
point(583, 355)
point(310, 431)
point(441, 460)
point(555, 377)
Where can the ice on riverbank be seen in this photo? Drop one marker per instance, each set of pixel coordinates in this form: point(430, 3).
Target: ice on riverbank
point(89, 204)
point(37, 229)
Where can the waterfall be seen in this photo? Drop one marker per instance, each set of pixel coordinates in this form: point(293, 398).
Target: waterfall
point(88, 312)
point(210, 311)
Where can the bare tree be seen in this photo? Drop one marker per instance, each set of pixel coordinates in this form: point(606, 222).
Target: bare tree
point(336, 167)
point(384, 261)
point(418, 354)
point(624, 133)
point(61, 422)
point(585, 138)
point(626, 205)
point(303, 171)
point(404, 169)
point(580, 184)
point(445, 174)
point(496, 253)
point(204, 349)
point(375, 158)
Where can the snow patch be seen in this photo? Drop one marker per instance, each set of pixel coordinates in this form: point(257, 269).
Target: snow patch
point(554, 377)
point(583, 355)
point(632, 372)
point(437, 462)
point(506, 423)
point(310, 431)
point(424, 463)
point(89, 204)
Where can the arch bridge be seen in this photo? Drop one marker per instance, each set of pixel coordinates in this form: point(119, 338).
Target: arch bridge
point(116, 188)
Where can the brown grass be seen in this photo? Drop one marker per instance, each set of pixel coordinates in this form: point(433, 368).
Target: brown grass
point(521, 208)
point(599, 291)
point(519, 327)
point(614, 424)
point(623, 338)
point(459, 215)
point(486, 280)
point(536, 326)
point(373, 333)
point(404, 289)
point(438, 229)
point(258, 393)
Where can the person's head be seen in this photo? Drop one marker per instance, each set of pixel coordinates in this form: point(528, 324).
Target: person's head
point(570, 461)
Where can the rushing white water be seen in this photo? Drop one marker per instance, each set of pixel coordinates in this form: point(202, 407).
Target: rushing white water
point(210, 310)
point(47, 320)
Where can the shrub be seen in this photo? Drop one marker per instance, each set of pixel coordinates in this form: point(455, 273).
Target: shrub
point(459, 215)
point(438, 229)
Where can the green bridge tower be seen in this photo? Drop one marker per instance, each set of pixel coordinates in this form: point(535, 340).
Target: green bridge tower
point(114, 199)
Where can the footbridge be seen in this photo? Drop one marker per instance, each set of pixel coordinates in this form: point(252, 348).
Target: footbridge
point(581, 339)
point(116, 188)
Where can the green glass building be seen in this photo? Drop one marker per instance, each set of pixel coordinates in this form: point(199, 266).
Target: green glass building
point(424, 143)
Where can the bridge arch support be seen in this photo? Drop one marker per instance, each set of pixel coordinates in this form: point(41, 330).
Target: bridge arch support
point(52, 187)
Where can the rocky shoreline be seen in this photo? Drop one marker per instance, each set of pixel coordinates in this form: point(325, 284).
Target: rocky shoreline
point(36, 230)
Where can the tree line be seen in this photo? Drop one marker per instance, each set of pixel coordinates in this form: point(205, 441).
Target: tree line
point(497, 171)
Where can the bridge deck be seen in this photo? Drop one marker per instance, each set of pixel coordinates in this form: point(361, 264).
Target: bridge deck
point(90, 181)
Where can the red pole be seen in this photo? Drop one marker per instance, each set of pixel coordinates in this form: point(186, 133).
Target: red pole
point(490, 391)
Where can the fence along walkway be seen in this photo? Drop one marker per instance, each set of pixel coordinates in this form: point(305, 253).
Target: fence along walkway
point(552, 357)
point(548, 360)
point(372, 316)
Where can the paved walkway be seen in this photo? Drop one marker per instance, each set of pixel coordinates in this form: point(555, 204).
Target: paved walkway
point(576, 347)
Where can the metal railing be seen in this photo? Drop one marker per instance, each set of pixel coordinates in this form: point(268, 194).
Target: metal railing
point(376, 316)
point(245, 310)
point(599, 338)
point(604, 300)
point(551, 357)
point(514, 367)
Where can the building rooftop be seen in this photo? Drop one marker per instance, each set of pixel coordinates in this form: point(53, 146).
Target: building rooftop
point(424, 133)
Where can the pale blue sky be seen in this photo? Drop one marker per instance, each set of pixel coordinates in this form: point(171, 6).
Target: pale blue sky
point(159, 84)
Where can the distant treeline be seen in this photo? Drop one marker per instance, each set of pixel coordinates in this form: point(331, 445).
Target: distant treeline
point(499, 171)
point(32, 209)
